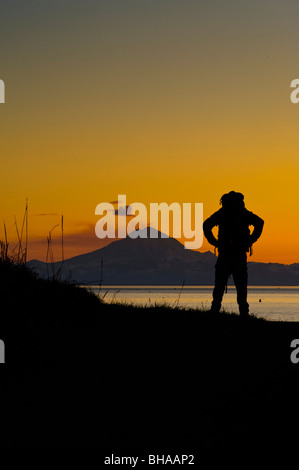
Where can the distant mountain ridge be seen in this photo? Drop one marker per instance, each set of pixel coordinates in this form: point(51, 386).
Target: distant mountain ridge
point(158, 261)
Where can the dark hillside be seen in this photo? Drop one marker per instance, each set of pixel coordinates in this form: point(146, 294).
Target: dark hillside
point(82, 373)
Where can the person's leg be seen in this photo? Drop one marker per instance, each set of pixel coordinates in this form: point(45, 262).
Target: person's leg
point(221, 277)
point(240, 279)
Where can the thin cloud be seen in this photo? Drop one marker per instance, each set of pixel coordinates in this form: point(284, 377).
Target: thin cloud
point(122, 211)
point(45, 214)
point(74, 244)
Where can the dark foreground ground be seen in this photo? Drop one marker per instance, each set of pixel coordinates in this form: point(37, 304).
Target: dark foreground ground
point(82, 373)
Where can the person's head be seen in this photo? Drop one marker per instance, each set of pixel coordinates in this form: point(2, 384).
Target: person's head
point(232, 201)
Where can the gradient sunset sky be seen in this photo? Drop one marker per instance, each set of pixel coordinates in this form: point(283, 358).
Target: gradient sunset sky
point(165, 100)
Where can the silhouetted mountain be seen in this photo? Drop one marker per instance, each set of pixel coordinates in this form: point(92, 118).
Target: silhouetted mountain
point(158, 261)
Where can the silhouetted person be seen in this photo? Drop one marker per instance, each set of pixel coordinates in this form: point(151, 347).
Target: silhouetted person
point(233, 243)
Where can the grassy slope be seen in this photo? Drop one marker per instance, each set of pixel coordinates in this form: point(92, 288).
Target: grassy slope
point(84, 373)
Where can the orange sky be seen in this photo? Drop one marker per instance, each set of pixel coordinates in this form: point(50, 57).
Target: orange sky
point(160, 103)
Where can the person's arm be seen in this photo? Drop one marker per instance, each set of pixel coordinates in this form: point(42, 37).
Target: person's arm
point(258, 225)
point(208, 225)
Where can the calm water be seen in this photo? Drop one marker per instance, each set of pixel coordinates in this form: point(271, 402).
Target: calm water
point(272, 303)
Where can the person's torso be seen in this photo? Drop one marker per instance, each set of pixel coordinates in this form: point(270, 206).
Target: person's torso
point(233, 233)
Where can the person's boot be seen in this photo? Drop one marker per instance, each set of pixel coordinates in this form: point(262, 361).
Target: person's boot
point(245, 315)
point(244, 312)
point(243, 308)
point(215, 308)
